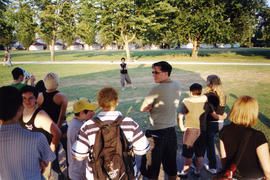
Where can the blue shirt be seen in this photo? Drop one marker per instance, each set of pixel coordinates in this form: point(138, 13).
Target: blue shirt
point(21, 152)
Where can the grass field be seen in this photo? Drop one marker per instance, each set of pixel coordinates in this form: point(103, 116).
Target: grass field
point(207, 55)
point(84, 80)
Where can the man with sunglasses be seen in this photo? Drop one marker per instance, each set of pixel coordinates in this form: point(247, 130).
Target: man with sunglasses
point(161, 102)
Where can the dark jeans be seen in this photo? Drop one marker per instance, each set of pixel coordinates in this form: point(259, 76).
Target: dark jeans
point(212, 130)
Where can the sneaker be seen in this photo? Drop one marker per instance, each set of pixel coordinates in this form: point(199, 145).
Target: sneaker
point(123, 89)
point(134, 87)
point(211, 170)
point(182, 174)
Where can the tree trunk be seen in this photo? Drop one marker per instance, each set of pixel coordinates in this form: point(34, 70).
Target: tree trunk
point(127, 50)
point(52, 51)
point(195, 50)
point(52, 47)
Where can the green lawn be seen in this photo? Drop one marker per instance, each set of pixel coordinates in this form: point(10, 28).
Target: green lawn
point(205, 55)
point(84, 80)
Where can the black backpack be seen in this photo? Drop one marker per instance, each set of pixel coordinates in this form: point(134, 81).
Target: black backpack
point(111, 158)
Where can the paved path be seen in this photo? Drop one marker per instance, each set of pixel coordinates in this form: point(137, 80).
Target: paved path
point(141, 62)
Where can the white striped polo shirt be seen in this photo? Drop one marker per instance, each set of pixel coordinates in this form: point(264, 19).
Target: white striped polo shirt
point(87, 134)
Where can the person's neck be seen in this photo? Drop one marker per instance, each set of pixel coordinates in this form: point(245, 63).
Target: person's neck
point(30, 110)
point(165, 80)
point(108, 109)
point(16, 81)
point(50, 90)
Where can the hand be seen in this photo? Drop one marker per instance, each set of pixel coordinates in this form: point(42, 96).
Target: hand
point(43, 165)
point(148, 108)
point(224, 115)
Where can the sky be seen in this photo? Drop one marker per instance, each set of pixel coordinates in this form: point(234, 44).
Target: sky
point(268, 2)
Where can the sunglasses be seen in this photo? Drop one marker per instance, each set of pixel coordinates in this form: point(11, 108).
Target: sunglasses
point(155, 72)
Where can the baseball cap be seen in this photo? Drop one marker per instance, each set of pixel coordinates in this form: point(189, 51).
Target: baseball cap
point(84, 104)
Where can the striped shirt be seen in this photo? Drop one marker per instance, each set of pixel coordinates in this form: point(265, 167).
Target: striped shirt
point(86, 138)
point(21, 152)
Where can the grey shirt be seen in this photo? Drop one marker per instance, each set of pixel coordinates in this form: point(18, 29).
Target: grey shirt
point(164, 99)
point(76, 169)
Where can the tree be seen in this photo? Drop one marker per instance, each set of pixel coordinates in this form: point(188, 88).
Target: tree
point(201, 21)
point(25, 26)
point(121, 20)
point(6, 26)
point(87, 19)
point(67, 27)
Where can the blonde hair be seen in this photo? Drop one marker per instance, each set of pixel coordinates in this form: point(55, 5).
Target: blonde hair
point(107, 97)
point(51, 80)
point(244, 111)
point(214, 85)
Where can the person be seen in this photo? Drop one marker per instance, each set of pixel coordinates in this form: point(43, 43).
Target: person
point(83, 110)
point(54, 103)
point(124, 75)
point(7, 58)
point(20, 75)
point(107, 100)
point(255, 161)
point(195, 109)
point(217, 98)
point(24, 154)
point(37, 120)
point(162, 102)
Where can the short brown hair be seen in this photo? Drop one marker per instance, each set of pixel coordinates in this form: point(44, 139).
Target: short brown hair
point(107, 97)
point(244, 111)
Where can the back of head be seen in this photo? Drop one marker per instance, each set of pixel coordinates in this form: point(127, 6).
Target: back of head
point(164, 66)
point(40, 86)
point(213, 84)
point(16, 72)
point(196, 89)
point(51, 80)
point(107, 97)
point(31, 89)
point(244, 111)
point(10, 101)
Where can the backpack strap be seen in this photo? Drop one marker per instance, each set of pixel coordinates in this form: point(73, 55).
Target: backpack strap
point(100, 123)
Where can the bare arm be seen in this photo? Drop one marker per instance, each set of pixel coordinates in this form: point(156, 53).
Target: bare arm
point(147, 108)
point(222, 153)
point(45, 122)
point(40, 99)
point(219, 117)
point(181, 122)
point(264, 158)
point(62, 100)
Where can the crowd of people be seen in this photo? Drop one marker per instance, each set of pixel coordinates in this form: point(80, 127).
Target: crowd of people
point(34, 134)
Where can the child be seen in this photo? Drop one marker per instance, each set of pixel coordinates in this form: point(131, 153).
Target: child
point(83, 110)
point(194, 108)
point(124, 75)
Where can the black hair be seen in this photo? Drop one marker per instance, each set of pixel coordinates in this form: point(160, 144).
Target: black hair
point(196, 89)
point(31, 89)
point(164, 66)
point(10, 101)
point(78, 113)
point(40, 86)
point(123, 59)
point(16, 72)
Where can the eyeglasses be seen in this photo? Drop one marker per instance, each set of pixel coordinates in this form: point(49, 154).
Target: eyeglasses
point(155, 72)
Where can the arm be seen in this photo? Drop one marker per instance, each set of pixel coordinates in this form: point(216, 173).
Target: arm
point(181, 122)
point(222, 153)
point(147, 104)
point(219, 117)
point(40, 99)
point(32, 80)
point(264, 158)
point(45, 122)
point(63, 103)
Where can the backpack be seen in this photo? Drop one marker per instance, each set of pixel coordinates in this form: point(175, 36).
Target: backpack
point(111, 158)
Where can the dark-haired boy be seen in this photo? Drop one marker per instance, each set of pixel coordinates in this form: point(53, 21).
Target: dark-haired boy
point(18, 75)
point(83, 110)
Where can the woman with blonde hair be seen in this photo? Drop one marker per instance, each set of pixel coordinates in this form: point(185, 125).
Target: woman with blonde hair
point(217, 98)
point(255, 160)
